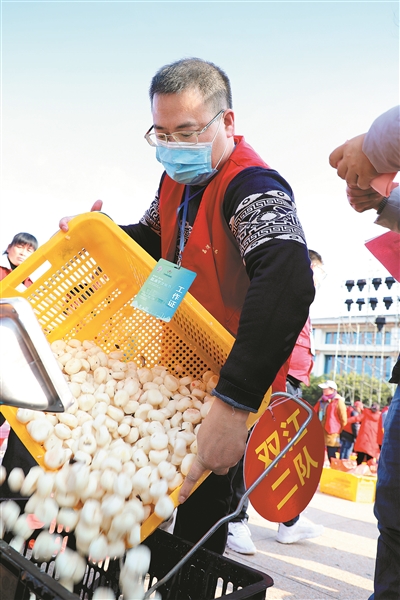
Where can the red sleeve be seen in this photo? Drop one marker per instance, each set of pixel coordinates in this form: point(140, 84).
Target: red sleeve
point(355, 419)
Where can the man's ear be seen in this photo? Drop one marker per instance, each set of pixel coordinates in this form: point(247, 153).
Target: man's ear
point(229, 122)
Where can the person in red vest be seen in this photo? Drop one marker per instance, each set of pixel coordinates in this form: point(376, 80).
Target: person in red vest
point(351, 429)
point(366, 444)
point(223, 213)
point(302, 358)
point(332, 413)
point(382, 419)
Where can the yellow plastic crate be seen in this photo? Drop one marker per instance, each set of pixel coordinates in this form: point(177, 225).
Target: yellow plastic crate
point(357, 488)
point(84, 284)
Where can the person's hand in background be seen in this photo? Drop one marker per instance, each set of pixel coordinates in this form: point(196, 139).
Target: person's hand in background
point(352, 164)
point(362, 200)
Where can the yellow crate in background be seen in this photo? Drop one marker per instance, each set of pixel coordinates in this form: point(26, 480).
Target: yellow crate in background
point(84, 284)
point(357, 488)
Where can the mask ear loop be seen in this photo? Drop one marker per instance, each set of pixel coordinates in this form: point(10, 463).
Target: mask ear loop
point(222, 155)
point(219, 125)
point(226, 145)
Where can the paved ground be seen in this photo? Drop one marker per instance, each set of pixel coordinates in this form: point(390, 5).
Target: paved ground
point(339, 565)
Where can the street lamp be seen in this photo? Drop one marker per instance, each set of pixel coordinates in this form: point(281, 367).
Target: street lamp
point(389, 281)
point(380, 322)
point(349, 302)
point(360, 303)
point(373, 302)
point(361, 283)
point(376, 282)
point(388, 302)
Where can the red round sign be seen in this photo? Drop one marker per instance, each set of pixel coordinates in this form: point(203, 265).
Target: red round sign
point(288, 488)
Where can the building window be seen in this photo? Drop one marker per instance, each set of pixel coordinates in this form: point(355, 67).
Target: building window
point(348, 337)
point(329, 364)
point(331, 337)
point(365, 338)
point(372, 366)
point(386, 338)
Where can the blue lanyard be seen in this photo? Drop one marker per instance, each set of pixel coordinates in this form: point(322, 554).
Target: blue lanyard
point(185, 207)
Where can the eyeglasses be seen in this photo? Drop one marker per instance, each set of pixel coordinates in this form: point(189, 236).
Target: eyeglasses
point(180, 137)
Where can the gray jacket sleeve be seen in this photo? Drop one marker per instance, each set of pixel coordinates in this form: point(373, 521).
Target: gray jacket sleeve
point(390, 216)
point(382, 142)
point(382, 148)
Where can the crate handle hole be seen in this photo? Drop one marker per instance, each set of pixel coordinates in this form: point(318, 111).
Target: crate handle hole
point(40, 270)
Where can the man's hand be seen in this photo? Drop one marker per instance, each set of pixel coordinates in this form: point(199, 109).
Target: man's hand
point(362, 200)
point(63, 224)
point(352, 164)
point(221, 442)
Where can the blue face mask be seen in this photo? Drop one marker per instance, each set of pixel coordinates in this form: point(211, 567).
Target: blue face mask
point(186, 163)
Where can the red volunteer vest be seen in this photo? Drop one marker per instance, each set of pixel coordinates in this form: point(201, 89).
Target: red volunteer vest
point(348, 426)
point(4, 272)
point(350, 420)
point(301, 359)
point(332, 423)
point(211, 250)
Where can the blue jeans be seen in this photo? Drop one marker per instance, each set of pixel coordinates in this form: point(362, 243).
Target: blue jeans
point(387, 509)
point(346, 448)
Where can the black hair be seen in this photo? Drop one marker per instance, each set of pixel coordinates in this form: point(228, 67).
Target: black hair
point(210, 80)
point(315, 256)
point(23, 239)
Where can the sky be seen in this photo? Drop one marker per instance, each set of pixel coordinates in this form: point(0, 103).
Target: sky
point(305, 77)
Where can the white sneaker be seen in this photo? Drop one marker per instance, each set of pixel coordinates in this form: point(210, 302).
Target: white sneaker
point(239, 538)
point(302, 530)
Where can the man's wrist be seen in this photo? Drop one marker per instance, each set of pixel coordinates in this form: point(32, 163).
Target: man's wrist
point(239, 413)
point(229, 401)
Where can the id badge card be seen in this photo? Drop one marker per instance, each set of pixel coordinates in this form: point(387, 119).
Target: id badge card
point(163, 290)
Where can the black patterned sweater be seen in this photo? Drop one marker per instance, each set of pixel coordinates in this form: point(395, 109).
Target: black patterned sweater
point(260, 210)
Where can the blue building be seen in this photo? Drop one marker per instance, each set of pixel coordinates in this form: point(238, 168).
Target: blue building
point(362, 344)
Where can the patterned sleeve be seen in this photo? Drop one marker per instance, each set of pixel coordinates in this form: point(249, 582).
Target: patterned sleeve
point(259, 207)
point(151, 217)
point(260, 210)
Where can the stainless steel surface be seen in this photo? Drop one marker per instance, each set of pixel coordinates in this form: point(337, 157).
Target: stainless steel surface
point(29, 374)
point(229, 517)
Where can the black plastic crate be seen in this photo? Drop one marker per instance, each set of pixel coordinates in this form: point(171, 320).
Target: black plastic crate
point(19, 578)
point(204, 576)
